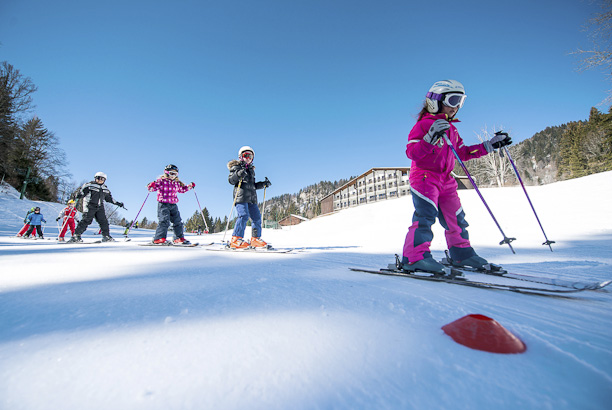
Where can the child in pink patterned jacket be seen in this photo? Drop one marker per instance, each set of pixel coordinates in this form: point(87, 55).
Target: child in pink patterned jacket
point(433, 188)
point(167, 186)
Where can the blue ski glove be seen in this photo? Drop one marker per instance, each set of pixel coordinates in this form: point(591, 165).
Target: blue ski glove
point(435, 131)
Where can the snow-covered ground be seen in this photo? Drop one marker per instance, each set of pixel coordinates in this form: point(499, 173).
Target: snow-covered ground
point(121, 326)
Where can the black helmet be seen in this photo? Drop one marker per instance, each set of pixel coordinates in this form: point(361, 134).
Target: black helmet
point(171, 167)
point(37, 209)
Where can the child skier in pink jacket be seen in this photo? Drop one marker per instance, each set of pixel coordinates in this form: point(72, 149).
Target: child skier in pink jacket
point(433, 188)
point(167, 187)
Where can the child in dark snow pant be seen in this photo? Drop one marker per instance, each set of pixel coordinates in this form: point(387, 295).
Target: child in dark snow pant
point(168, 185)
point(34, 220)
point(433, 188)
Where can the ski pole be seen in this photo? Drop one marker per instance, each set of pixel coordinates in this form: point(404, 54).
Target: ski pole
point(506, 240)
point(200, 206)
point(263, 214)
point(63, 225)
point(548, 242)
point(132, 224)
point(231, 210)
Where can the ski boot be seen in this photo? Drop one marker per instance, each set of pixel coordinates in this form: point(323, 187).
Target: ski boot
point(181, 241)
point(474, 261)
point(424, 265)
point(159, 241)
point(238, 243)
point(75, 239)
point(466, 258)
point(61, 239)
point(107, 238)
point(258, 243)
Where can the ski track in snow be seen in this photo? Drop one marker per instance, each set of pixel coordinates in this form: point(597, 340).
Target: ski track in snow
point(122, 326)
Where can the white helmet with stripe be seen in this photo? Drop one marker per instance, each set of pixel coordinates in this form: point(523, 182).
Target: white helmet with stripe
point(437, 93)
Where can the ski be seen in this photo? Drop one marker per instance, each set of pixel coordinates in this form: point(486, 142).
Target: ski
point(464, 281)
point(173, 245)
point(268, 249)
point(80, 243)
point(496, 270)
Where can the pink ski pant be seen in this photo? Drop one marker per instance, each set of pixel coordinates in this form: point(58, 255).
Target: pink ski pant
point(435, 199)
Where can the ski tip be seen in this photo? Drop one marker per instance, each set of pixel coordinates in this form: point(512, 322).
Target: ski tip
point(604, 284)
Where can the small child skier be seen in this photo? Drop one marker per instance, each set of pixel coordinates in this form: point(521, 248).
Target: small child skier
point(433, 188)
point(168, 185)
point(34, 220)
point(242, 176)
point(68, 214)
point(26, 226)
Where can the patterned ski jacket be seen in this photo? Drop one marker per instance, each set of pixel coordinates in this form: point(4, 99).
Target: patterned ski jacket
point(36, 219)
point(168, 189)
point(437, 161)
point(68, 213)
point(94, 195)
point(239, 171)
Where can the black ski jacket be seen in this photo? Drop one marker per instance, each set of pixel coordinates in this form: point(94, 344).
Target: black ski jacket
point(94, 195)
point(247, 194)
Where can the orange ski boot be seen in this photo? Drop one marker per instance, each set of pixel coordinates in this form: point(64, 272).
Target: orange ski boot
point(258, 243)
point(238, 243)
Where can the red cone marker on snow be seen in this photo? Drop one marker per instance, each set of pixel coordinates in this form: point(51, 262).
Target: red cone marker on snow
point(483, 333)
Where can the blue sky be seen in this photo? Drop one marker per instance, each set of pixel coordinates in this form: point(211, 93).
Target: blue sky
point(321, 89)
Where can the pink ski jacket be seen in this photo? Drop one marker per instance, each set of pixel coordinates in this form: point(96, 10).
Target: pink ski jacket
point(437, 160)
point(167, 189)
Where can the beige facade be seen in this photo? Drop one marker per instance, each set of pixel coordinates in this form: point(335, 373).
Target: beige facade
point(377, 184)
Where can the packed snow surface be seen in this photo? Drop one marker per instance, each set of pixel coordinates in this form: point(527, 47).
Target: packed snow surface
point(122, 326)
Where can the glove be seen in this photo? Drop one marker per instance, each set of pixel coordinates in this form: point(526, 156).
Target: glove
point(435, 131)
point(57, 219)
point(242, 173)
point(267, 183)
point(150, 185)
point(120, 204)
point(498, 141)
point(192, 185)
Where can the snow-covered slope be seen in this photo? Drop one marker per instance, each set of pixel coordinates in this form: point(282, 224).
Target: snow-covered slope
point(123, 326)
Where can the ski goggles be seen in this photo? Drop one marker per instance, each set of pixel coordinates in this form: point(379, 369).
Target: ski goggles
point(247, 155)
point(100, 178)
point(454, 100)
point(172, 173)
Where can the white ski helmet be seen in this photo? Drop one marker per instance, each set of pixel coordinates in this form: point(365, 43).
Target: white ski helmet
point(100, 174)
point(437, 91)
point(245, 148)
